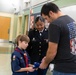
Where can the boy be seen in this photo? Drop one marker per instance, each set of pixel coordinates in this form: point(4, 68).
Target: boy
point(19, 59)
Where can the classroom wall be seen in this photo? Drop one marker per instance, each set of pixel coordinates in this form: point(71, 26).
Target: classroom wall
point(60, 3)
point(70, 10)
point(37, 9)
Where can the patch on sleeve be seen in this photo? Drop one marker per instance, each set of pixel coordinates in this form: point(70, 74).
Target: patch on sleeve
point(14, 57)
point(20, 57)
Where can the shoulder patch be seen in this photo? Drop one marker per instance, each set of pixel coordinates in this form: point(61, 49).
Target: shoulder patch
point(20, 57)
point(14, 57)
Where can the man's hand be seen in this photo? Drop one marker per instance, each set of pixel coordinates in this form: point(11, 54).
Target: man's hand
point(43, 64)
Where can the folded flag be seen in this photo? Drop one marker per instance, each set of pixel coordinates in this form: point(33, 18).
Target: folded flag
point(36, 65)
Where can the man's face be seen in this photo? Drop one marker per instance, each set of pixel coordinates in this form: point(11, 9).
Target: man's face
point(40, 25)
point(49, 18)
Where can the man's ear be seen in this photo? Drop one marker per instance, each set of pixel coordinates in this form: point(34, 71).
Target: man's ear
point(50, 13)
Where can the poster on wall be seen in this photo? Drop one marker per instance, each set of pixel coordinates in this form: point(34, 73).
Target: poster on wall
point(32, 19)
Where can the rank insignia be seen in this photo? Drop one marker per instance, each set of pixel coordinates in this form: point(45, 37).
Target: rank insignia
point(33, 39)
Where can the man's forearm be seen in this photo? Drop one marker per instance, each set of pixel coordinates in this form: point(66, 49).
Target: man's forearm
point(49, 56)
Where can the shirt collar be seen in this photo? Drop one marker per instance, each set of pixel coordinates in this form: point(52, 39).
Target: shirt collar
point(41, 31)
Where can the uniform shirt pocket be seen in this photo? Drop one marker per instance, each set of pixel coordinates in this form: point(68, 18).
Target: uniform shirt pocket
point(22, 62)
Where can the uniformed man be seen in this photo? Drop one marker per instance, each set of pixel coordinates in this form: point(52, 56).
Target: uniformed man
point(38, 43)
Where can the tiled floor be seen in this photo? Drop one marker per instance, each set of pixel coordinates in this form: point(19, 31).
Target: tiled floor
point(5, 61)
point(5, 68)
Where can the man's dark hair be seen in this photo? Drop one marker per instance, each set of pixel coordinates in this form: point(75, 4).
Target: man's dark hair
point(39, 18)
point(46, 8)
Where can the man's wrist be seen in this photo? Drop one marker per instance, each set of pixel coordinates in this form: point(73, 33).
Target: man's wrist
point(46, 62)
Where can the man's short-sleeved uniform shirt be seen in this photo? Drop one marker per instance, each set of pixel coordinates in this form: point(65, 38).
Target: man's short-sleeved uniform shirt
point(63, 32)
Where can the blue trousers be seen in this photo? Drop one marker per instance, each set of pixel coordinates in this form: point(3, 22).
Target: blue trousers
point(39, 72)
point(60, 73)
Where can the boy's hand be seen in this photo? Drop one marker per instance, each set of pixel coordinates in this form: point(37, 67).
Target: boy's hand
point(30, 65)
point(30, 69)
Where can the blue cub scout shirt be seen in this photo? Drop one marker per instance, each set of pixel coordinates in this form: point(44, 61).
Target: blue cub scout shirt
point(17, 62)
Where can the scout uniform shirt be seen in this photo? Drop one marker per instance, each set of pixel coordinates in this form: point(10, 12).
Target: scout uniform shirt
point(19, 59)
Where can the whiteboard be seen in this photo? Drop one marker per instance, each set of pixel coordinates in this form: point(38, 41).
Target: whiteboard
point(70, 10)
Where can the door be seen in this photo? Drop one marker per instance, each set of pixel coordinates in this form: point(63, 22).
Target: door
point(4, 27)
point(26, 24)
point(19, 26)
